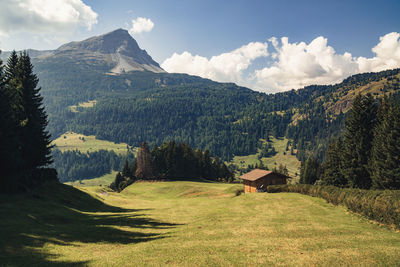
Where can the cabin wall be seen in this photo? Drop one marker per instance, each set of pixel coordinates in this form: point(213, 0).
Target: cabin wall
point(272, 179)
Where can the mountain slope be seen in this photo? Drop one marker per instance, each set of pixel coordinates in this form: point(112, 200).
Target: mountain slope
point(80, 95)
point(116, 48)
point(115, 52)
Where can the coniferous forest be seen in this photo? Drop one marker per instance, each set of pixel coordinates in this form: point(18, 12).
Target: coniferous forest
point(25, 143)
point(367, 155)
point(75, 165)
point(171, 161)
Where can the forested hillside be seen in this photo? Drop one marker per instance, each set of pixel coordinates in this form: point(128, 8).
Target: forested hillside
point(226, 119)
point(83, 94)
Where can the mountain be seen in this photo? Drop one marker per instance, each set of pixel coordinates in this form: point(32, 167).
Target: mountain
point(82, 95)
point(116, 48)
point(116, 51)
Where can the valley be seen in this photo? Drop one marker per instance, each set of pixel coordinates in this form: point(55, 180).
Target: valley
point(199, 133)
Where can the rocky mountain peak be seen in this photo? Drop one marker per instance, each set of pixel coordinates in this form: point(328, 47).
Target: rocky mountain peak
point(118, 47)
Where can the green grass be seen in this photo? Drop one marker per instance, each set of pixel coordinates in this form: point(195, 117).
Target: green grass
point(88, 104)
point(186, 224)
point(104, 180)
point(73, 141)
point(291, 162)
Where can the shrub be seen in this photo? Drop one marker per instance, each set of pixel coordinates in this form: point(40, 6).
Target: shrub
point(238, 192)
point(380, 205)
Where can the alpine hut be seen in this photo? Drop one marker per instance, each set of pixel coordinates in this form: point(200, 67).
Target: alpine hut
point(257, 180)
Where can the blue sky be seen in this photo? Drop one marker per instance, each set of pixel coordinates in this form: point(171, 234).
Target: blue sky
point(211, 28)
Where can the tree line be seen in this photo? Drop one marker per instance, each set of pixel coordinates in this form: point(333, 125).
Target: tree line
point(171, 161)
point(75, 165)
point(25, 148)
point(367, 156)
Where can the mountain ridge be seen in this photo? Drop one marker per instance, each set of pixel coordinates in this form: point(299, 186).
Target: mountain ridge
point(227, 119)
point(117, 51)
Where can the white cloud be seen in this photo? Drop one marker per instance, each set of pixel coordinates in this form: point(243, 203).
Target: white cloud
point(44, 16)
point(387, 54)
point(140, 25)
point(299, 64)
point(226, 67)
point(290, 65)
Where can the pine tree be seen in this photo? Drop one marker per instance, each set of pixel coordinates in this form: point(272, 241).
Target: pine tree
point(333, 164)
point(385, 160)
point(144, 168)
point(125, 170)
point(357, 142)
point(310, 171)
point(9, 147)
point(35, 140)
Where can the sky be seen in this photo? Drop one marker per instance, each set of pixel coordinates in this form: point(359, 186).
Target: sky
point(268, 46)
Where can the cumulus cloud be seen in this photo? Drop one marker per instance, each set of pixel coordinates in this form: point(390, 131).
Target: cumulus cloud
point(299, 64)
point(140, 25)
point(290, 65)
point(387, 54)
point(44, 16)
point(226, 67)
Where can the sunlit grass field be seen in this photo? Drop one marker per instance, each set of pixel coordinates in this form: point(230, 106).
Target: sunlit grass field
point(104, 180)
point(186, 224)
point(73, 141)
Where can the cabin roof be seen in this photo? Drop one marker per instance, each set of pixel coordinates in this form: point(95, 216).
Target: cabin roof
point(255, 175)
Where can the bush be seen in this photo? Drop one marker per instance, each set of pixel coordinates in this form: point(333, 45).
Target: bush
point(380, 205)
point(238, 192)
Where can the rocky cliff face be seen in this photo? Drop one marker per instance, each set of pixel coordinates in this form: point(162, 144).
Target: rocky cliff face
point(117, 51)
point(117, 48)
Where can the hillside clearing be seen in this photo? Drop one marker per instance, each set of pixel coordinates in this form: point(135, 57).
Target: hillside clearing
point(291, 162)
point(73, 141)
point(104, 180)
point(88, 104)
point(186, 224)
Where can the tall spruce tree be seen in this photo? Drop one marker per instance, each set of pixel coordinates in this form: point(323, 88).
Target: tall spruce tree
point(310, 171)
point(9, 147)
point(357, 142)
point(385, 160)
point(144, 169)
point(35, 140)
point(333, 164)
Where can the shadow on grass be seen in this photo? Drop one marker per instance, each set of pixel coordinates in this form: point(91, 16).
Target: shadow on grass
point(59, 214)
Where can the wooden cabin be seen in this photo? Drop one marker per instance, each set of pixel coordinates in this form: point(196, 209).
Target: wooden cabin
point(257, 180)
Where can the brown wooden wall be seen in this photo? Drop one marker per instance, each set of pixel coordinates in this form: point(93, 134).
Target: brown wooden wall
point(271, 179)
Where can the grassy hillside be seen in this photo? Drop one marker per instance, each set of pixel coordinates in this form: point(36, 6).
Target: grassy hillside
point(291, 162)
point(185, 224)
point(73, 141)
point(104, 180)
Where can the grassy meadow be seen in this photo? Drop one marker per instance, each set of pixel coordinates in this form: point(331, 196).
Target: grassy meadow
point(104, 180)
point(291, 162)
point(74, 141)
point(186, 224)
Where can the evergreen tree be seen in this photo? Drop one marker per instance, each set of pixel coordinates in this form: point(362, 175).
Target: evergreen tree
point(9, 148)
point(385, 160)
point(35, 140)
point(357, 142)
point(144, 169)
point(126, 170)
point(332, 174)
point(116, 185)
point(25, 143)
point(310, 171)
